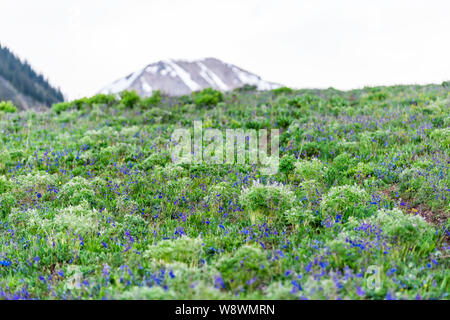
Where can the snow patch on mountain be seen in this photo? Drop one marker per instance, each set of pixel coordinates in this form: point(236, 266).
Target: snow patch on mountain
point(212, 78)
point(184, 75)
point(124, 83)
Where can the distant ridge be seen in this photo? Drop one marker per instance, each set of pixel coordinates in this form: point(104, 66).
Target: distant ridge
point(22, 85)
point(181, 77)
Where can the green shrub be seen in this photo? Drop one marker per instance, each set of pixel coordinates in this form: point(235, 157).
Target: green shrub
point(246, 268)
point(282, 90)
point(283, 121)
point(310, 192)
point(344, 200)
point(287, 164)
point(16, 155)
point(310, 170)
point(4, 160)
point(24, 186)
point(8, 107)
point(362, 170)
point(299, 216)
point(129, 98)
point(246, 88)
point(101, 98)
point(219, 195)
point(183, 249)
point(158, 115)
point(77, 190)
point(441, 136)
point(303, 101)
point(168, 172)
point(81, 103)
point(405, 228)
point(342, 162)
point(130, 132)
point(268, 200)
point(5, 185)
point(156, 159)
point(124, 205)
point(338, 170)
point(338, 101)
point(61, 107)
point(207, 97)
point(255, 124)
point(311, 149)
point(7, 202)
point(79, 219)
point(152, 101)
point(411, 180)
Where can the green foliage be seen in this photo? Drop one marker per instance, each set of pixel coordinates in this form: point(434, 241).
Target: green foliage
point(287, 164)
point(405, 229)
point(441, 136)
point(266, 200)
point(344, 200)
point(219, 195)
point(106, 99)
point(246, 88)
point(156, 159)
point(8, 107)
point(207, 97)
point(310, 192)
point(304, 101)
point(37, 181)
point(284, 121)
point(5, 185)
point(79, 219)
point(246, 268)
point(91, 202)
point(282, 90)
point(183, 249)
point(309, 170)
point(76, 191)
point(7, 202)
point(129, 98)
point(61, 107)
point(152, 101)
point(337, 101)
point(299, 216)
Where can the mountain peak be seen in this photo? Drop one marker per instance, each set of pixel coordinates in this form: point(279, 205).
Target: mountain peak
point(181, 77)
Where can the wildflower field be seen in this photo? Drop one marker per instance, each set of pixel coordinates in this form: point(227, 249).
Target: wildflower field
point(92, 207)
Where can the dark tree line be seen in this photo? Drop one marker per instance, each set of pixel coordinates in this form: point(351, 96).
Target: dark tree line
point(26, 80)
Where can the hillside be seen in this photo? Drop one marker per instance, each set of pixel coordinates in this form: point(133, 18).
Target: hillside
point(180, 77)
point(22, 85)
point(92, 205)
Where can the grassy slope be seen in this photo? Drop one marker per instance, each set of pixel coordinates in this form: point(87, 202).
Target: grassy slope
point(91, 207)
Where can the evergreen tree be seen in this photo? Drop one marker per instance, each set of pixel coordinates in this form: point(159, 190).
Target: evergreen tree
point(26, 80)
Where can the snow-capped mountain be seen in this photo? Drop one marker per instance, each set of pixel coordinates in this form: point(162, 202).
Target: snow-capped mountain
point(180, 77)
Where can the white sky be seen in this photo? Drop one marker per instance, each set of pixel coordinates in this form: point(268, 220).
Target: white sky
point(84, 45)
